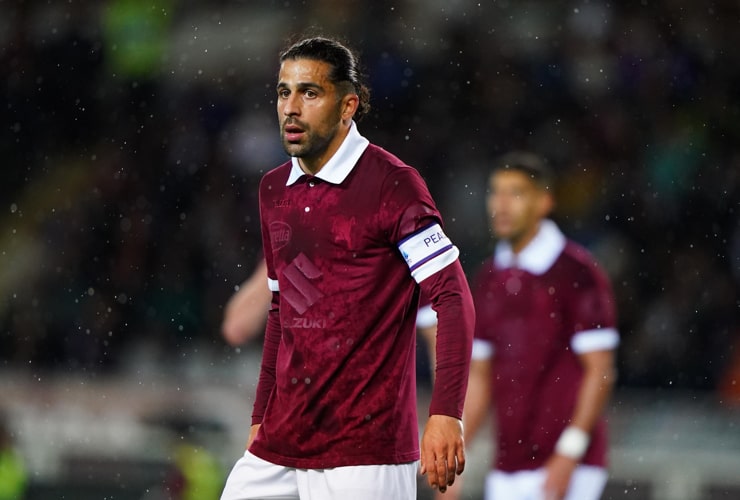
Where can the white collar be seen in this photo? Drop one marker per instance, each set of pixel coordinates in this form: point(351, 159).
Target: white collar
point(340, 164)
point(539, 255)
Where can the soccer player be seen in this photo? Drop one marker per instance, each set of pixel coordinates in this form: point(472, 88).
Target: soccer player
point(544, 348)
point(351, 236)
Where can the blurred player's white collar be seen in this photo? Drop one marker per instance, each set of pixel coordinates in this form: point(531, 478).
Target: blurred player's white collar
point(539, 255)
point(341, 164)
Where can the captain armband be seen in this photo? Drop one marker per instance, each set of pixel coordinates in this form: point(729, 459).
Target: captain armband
point(428, 251)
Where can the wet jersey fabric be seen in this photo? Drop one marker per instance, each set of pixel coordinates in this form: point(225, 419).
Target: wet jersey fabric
point(337, 386)
point(536, 311)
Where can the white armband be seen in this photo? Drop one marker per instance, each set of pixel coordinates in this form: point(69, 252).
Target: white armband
point(573, 443)
point(427, 251)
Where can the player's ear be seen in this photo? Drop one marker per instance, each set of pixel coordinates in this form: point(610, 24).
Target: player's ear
point(350, 103)
point(546, 203)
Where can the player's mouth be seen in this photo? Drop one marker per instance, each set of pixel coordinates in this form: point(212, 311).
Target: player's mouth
point(292, 132)
point(501, 223)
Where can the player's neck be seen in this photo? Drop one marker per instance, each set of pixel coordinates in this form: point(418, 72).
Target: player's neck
point(520, 243)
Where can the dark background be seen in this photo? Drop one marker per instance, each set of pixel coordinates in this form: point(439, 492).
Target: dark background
point(135, 134)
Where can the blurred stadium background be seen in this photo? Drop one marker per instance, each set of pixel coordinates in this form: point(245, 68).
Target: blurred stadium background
point(135, 131)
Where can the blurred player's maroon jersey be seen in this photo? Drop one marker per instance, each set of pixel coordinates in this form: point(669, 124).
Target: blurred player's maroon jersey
point(537, 310)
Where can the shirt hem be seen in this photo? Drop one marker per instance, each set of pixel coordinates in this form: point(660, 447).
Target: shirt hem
point(323, 463)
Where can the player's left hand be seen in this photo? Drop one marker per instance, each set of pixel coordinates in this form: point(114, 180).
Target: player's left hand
point(559, 470)
point(442, 451)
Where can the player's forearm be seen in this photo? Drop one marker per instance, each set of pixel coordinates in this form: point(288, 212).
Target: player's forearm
point(450, 296)
point(595, 391)
point(478, 399)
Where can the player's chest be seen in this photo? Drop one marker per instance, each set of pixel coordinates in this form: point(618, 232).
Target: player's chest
point(317, 216)
point(520, 300)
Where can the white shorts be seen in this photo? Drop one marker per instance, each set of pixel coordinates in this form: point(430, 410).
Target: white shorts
point(255, 479)
point(587, 483)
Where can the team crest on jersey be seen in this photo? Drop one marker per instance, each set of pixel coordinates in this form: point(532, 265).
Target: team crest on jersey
point(280, 234)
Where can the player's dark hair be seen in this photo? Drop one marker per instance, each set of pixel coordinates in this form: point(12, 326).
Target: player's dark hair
point(344, 63)
point(531, 164)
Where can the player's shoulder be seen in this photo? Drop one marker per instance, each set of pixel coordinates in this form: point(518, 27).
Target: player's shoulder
point(282, 170)
point(484, 271)
point(577, 253)
point(378, 167)
point(385, 162)
point(276, 176)
point(577, 260)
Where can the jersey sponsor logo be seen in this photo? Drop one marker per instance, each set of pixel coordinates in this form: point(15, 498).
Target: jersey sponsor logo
point(302, 323)
point(280, 233)
point(300, 273)
point(281, 203)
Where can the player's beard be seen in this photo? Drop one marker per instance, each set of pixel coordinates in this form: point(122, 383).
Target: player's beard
point(313, 143)
point(503, 227)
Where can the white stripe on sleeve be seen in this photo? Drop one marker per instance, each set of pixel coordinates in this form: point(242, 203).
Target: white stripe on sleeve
point(598, 339)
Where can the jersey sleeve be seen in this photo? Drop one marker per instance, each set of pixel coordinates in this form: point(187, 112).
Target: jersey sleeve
point(483, 340)
point(406, 206)
point(592, 312)
point(450, 297)
point(266, 381)
point(273, 330)
point(414, 225)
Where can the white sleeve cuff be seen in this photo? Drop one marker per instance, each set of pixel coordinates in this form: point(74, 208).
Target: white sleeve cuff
point(599, 339)
point(426, 317)
point(482, 350)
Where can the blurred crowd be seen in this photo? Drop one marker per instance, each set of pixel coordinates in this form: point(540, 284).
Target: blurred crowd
point(135, 133)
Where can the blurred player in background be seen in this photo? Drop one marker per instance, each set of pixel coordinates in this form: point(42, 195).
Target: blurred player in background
point(544, 348)
point(246, 311)
point(426, 328)
point(350, 235)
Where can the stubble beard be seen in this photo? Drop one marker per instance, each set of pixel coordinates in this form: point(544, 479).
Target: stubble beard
point(312, 145)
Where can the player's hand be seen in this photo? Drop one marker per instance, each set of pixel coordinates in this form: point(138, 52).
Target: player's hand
point(453, 492)
point(252, 434)
point(559, 470)
point(442, 451)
